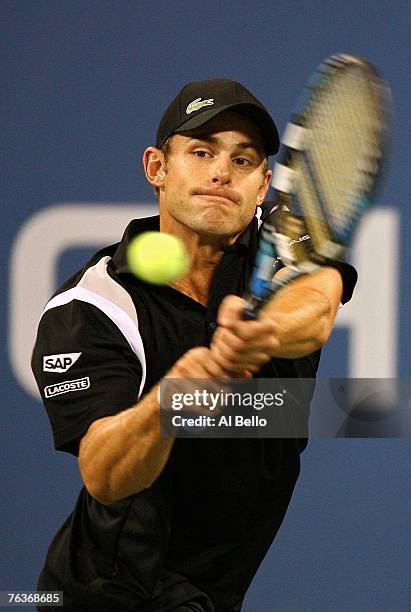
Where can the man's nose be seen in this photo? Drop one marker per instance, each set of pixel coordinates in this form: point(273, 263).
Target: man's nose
point(221, 170)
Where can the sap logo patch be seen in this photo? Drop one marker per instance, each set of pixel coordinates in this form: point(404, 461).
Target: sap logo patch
point(67, 386)
point(59, 363)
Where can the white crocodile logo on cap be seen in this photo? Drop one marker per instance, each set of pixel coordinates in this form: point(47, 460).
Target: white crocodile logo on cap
point(197, 104)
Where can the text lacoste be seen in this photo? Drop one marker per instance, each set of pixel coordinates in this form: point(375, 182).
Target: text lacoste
point(67, 386)
point(59, 363)
point(198, 103)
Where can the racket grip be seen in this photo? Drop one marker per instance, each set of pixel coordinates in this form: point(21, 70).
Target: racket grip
point(252, 308)
point(249, 314)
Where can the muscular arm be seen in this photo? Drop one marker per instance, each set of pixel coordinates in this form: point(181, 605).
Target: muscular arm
point(123, 454)
point(305, 312)
point(297, 321)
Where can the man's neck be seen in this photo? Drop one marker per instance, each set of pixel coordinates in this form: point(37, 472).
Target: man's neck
point(198, 282)
point(205, 256)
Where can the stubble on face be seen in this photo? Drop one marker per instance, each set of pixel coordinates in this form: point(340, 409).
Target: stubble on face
point(214, 178)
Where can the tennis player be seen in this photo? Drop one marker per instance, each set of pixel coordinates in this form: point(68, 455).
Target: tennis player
point(169, 524)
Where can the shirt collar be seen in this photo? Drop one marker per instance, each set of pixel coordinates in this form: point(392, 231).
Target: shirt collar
point(137, 226)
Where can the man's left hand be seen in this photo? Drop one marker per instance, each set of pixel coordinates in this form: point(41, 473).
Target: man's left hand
point(239, 345)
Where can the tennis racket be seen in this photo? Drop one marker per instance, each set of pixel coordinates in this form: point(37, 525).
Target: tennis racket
point(331, 159)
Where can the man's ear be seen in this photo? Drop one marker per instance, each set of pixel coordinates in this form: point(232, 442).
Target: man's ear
point(264, 187)
point(153, 161)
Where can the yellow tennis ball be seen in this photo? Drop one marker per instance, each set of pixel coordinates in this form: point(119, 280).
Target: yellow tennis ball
point(158, 258)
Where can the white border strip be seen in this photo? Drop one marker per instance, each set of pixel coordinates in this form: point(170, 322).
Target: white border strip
point(119, 317)
point(284, 178)
point(295, 136)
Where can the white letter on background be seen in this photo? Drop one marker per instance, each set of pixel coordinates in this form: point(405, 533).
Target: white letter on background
point(372, 315)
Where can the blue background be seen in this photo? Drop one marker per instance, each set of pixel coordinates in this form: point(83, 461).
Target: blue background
point(83, 87)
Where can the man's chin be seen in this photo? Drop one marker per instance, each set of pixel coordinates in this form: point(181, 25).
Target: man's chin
point(216, 230)
point(215, 223)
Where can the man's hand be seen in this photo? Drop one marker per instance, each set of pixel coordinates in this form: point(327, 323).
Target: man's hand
point(197, 370)
point(199, 362)
point(243, 347)
point(296, 322)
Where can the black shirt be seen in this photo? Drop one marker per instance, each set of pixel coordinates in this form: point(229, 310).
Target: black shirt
point(199, 533)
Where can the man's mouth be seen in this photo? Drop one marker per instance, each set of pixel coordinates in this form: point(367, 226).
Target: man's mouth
point(225, 197)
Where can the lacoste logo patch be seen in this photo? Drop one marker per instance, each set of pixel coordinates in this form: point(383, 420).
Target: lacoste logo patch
point(67, 386)
point(198, 103)
point(59, 363)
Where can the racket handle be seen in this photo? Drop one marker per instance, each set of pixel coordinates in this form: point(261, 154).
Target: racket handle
point(253, 307)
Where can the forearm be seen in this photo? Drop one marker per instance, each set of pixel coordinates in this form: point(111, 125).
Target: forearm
point(296, 322)
point(123, 454)
point(304, 318)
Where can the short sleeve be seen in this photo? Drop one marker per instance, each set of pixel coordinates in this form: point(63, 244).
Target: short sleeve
point(85, 369)
point(349, 278)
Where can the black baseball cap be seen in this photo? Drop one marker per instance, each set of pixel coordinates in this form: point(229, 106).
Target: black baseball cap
point(200, 101)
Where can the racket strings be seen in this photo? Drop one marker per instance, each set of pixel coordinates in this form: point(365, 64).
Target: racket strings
point(333, 147)
point(309, 203)
point(340, 157)
point(345, 107)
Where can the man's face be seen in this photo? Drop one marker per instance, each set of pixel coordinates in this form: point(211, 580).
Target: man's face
point(214, 178)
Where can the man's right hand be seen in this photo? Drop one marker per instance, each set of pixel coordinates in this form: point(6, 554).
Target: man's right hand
point(196, 371)
point(202, 362)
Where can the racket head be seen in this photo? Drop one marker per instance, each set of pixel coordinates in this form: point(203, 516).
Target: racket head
point(333, 153)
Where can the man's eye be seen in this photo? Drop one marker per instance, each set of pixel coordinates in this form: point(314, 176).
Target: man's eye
point(241, 161)
point(200, 153)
